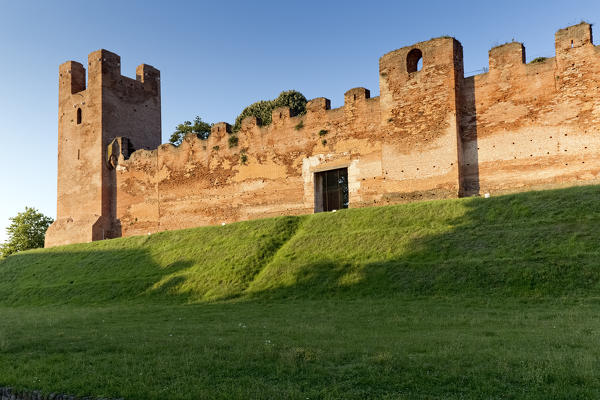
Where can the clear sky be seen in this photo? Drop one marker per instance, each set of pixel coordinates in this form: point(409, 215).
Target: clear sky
point(216, 57)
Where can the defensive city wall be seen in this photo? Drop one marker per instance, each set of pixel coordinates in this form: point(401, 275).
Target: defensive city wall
point(432, 133)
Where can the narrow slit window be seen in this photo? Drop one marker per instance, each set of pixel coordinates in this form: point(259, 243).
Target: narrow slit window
point(78, 116)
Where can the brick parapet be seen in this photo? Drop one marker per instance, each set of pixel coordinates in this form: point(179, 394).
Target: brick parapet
point(432, 133)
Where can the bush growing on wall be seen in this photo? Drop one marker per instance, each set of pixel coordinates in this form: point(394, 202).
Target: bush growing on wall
point(198, 127)
point(262, 109)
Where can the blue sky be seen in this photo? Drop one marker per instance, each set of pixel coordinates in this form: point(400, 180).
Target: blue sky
point(217, 57)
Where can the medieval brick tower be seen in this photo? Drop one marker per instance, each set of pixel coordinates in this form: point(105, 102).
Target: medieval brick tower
point(89, 119)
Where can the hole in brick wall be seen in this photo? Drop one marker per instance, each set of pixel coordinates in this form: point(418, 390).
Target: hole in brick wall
point(571, 44)
point(78, 116)
point(78, 151)
point(414, 60)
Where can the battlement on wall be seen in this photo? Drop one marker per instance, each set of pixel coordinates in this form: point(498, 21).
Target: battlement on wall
point(433, 53)
point(568, 42)
point(432, 133)
point(223, 142)
point(104, 68)
point(399, 65)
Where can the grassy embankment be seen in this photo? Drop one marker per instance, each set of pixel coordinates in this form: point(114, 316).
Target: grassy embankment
point(469, 298)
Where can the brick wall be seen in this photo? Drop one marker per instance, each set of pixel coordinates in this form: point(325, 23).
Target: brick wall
point(432, 133)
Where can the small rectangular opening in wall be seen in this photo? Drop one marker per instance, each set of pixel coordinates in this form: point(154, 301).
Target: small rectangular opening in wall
point(331, 190)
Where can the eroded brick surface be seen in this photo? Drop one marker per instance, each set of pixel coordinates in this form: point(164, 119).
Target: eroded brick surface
point(431, 134)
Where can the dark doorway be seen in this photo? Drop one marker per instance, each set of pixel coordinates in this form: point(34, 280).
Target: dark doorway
point(331, 190)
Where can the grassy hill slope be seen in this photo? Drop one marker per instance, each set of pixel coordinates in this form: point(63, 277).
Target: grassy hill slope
point(470, 298)
point(529, 244)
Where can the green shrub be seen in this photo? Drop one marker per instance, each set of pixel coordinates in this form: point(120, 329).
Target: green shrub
point(323, 132)
point(262, 109)
point(233, 141)
point(198, 127)
point(538, 60)
point(299, 126)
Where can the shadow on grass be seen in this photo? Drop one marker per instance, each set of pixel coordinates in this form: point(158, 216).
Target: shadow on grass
point(533, 244)
point(529, 244)
point(182, 266)
point(91, 277)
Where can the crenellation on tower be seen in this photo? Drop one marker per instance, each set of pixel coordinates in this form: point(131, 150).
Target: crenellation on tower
point(71, 77)
point(149, 76)
point(104, 67)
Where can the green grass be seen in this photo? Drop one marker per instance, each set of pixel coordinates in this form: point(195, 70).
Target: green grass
point(469, 298)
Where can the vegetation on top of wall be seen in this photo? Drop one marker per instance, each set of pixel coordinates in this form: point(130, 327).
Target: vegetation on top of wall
point(262, 109)
point(538, 60)
point(198, 127)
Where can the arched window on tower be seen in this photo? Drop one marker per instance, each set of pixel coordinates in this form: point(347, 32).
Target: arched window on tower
point(78, 116)
point(414, 60)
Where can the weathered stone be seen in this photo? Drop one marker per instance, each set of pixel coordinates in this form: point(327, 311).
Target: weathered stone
point(432, 133)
